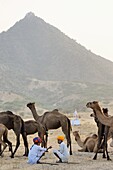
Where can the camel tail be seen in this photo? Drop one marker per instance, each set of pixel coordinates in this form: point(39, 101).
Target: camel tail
point(69, 130)
point(69, 125)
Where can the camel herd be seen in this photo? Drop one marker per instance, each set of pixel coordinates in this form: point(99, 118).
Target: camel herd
point(96, 143)
point(53, 120)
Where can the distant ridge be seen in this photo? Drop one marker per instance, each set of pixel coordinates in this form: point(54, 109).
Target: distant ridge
point(33, 50)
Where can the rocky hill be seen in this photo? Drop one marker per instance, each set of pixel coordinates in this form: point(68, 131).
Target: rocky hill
point(40, 63)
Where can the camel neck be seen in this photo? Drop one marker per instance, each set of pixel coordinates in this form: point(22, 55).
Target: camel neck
point(34, 113)
point(80, 143)
point(102, 118)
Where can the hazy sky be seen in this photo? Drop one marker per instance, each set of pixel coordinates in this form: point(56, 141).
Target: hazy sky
point(89, 22)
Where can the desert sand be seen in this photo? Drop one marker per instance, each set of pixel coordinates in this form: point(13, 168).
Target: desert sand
point(78, 161)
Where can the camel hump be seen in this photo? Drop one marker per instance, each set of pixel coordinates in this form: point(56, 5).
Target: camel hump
point(46, 113)
point(9, 112)
point(55, 110)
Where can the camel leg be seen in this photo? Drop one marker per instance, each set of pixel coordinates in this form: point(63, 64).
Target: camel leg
point(108, 158)
point(17, 145)
point(10, 145)
point(46, 139)
point(106, 146)
point(95, 157)
point(67, 135)
point(4, 146)
point(98, 147)
point(100, 137)
point(69, 145)
point(43, 144)
point(42, 136)
point(104, 149)
point(103, 145)
point(8, 142)
point(24, 136)
point(0, 147)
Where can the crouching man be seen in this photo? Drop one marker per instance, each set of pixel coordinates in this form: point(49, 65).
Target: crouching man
point(62, 154)
point(36, 151)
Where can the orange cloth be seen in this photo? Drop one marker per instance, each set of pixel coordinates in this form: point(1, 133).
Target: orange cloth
point(60, 138)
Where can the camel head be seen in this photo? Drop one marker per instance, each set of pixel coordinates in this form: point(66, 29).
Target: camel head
point(76, 134)
point(92, 105)
point(30, 105)
point(94, 136)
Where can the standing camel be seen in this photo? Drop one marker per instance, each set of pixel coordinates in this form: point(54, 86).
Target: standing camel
point(32, 127)
point(103, 134)
point(4, 134)
point(89, 144)
point(103, 129)
point(16, 123)
point(53, 120)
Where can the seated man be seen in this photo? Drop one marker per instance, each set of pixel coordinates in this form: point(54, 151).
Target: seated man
point(62, 153)
point(36, 151)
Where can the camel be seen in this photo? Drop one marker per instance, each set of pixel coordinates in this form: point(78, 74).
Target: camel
point(108, 121)
point(103, 129)
point(32, 127)
point(89, 144)
point(53, 120)
point(103, 134)
point(4, 134)
point(16, 123)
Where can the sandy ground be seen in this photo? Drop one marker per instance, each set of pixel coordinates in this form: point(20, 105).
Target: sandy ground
point(78, 161)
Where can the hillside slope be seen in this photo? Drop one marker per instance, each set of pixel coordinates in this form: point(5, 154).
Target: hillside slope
point(33, 51)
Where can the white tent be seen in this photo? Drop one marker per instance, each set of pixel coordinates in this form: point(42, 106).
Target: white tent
point(75, 121)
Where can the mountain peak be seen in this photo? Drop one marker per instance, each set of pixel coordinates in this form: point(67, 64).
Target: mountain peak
point(30, 15)
point(40, 62)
